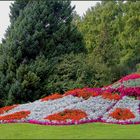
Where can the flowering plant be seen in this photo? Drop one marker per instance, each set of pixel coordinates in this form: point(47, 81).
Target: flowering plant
point(128, 85)
point(15, 116)
point(130, 76)
point(7, 108)
point(113, 105)
point(111, 96)
point(122, 114)
point(85, 93)
point(73, 115)
point(52, 97)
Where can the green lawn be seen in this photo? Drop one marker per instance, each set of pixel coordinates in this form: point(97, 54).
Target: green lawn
point(85, 131)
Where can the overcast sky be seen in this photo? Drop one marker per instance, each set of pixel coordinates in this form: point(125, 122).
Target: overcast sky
point(81, 7)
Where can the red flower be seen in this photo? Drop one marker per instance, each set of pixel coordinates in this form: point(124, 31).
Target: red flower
point(74, 115)
point(52, 97)
point(15, 116)
point(84, 93)
point(7, 108)
point(122, 114)
point(111, 96)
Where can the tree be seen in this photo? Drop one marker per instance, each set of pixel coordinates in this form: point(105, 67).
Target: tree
point(129, 37)
point(44, 27)
point(39, 31)
point(110, 30)
point(66, 73)
point(16, 8)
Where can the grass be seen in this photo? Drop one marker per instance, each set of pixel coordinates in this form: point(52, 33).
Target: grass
point(85, 131)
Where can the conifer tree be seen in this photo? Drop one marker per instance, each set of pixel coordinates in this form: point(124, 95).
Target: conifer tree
point(40, 32)
point(16, 8)
point(44, 27)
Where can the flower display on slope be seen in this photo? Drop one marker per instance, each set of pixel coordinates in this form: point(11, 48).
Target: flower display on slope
point(128, 85)
point(67, 114)
point(122, 114)
point(112, 104)
point(130, 77)
point(132, 107)
point(52, 97)
point(7, 108)
point(15, 116)
point(111, 96)
point(85, 93)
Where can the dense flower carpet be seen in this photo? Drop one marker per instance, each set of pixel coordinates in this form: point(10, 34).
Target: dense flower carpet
point(118, 103)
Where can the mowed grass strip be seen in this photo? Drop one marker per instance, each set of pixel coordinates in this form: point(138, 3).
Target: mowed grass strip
point(84, 131)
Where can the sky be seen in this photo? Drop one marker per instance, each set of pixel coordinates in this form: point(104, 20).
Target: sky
point(81, 7)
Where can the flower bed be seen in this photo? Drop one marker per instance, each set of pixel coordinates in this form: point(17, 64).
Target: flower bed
point(112, 104)
point(15, 116)
point(94, 110)
point(52, 97)
point(73, 115)
point(128, 85)
point(111, 96)
point(125, 91)
point(130, 77)
point(6, 109)
point(85, 93)
point(125, 110)
point(122, 114)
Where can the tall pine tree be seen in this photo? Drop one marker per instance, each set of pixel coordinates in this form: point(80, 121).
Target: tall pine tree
point(44, 27)
point(40, 32)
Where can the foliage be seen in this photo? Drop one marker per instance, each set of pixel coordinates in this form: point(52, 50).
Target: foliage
point(65, 74)
point(111, 28)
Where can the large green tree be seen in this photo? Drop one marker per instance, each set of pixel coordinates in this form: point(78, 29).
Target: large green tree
point(40, 33)
point(111, 31)
point(129, 37)
point(44, 27)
